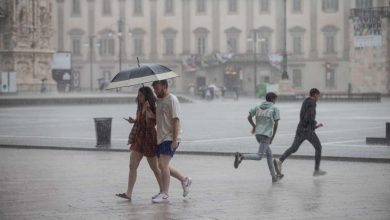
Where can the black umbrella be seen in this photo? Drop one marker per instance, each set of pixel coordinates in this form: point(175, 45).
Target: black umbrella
point(141, 74)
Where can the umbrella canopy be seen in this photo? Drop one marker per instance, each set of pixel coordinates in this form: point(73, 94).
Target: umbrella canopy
point(142, 74)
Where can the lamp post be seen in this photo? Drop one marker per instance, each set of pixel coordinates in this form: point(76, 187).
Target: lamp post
point(91, 46)
point(254, 40)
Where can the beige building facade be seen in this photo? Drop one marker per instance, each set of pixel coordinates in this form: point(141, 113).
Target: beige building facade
point(235, 43)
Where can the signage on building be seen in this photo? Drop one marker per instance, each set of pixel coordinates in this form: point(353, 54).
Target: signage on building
point(367, 31)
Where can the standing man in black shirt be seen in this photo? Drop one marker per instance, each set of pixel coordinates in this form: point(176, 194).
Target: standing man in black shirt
point(305, 131)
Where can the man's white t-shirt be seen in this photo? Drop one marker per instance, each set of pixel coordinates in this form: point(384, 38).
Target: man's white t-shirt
point(167, 109)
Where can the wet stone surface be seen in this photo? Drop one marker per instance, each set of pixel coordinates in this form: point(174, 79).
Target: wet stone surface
point(52, 184)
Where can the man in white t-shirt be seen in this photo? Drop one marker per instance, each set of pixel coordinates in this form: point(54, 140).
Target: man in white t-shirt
point(168, 138)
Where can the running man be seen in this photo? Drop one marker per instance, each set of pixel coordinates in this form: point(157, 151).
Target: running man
point(267, 117)
point(306, 131)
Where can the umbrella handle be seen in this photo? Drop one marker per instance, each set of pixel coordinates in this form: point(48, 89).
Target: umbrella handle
point(138, 62)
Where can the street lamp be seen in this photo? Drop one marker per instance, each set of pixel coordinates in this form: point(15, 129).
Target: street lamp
point(255, 35)
point(91, 46)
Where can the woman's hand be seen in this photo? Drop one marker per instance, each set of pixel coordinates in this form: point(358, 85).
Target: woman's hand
point(130, 120)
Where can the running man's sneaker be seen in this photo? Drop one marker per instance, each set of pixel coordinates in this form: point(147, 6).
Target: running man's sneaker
point(155, 196)
point(319, 172)
point(275, 179)
point(278, 167)
point(186, 186)
point(161, 198)
point(237, 159)
point(280, 176)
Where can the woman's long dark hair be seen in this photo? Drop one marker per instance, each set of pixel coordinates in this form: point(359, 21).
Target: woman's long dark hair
point(149, 97)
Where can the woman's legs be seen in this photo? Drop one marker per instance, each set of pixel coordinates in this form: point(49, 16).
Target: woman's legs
point(135, 159)
point(153, 164)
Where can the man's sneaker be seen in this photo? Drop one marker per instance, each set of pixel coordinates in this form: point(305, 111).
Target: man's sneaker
point(275, 179)
point(319, 172)
point(186, 186)
point(280, 176)
point(161, 198)
point(278, 167)
point(237, 159)
point(155, 196)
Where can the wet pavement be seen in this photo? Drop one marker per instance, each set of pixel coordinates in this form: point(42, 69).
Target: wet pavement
point(216, 126)
point(55, 184)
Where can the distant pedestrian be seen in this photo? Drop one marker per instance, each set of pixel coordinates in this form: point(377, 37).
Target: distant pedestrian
point(168, 138)
point(306, 131)
point(143, 139)
point(267, 117)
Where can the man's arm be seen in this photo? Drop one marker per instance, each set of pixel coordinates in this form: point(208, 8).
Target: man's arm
point(274, 132)
point(252, 123)
point(175, 132)
point(310, 115)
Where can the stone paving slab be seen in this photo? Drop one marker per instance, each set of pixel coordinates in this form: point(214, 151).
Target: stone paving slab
point(55, 184)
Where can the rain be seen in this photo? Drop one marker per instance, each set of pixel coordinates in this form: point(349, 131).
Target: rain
point(70, 76)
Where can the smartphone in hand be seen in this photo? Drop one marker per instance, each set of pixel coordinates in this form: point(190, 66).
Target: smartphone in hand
point(130, 120)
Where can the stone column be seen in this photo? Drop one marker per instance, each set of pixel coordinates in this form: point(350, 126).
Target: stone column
point(125, 30)
point(153, 31)
point(216, 20)
point(186, 27)
point(313, 29)
point(249, 22)
point(60, 24)
point(346, 34)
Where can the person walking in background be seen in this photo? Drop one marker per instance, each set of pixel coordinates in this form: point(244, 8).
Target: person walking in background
point(143, 139)
point(168, 138)
point(305, 131)
point(267, 117)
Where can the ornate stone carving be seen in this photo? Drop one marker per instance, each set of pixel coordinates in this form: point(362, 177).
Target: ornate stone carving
point(26, 42)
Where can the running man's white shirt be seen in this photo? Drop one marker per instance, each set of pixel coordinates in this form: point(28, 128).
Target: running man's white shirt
point(167, 109)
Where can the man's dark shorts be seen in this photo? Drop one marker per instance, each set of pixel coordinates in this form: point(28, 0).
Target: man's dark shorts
point(165, 149)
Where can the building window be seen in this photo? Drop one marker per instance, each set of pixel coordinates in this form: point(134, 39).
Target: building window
point(330, 79)
point(169, 39)
point(76, 43)
point(138, 46)
point(107, 46)
point(297, 44)
point(330, 39)
point(232, 44)
point(201, 6)
point(330, 46)
point(169, 7)
point(201, 40)
point(264, 44)
point(137, 7)
point(264, 6)
point(297, 78)
point(297, 34)
point(169, 46)
point(330, 6)
point(201, 45)
point(76, 8)
point(232, 39)
point(297, 6)
point(233, 6)
point(106, 7)
point(363, 3)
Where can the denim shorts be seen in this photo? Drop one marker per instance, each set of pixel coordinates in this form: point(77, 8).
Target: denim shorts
point(165, 149)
